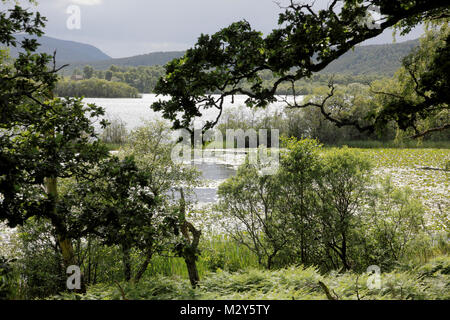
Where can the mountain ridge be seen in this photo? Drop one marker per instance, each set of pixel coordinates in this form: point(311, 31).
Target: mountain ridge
point(382, 59)
point(149, 59)
point(67, 51)
point(369, 59)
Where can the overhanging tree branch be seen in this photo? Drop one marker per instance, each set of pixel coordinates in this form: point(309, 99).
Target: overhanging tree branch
point(306, 42)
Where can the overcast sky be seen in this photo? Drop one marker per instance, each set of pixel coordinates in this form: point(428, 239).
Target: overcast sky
point(123, 28)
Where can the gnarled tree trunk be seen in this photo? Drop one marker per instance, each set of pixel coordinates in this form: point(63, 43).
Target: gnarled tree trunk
point(190, 251)
point(64, 241)
point(142, 268)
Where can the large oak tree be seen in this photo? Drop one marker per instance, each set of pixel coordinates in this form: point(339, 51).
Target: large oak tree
point(306, 41)
point(42, 138)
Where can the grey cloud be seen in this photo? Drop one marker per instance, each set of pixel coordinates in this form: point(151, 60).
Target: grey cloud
point(123, 28)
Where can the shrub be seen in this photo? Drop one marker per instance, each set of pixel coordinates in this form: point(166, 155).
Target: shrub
point(5, 278)
point(393, 227)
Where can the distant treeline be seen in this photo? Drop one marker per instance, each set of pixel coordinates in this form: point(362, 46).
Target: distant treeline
point(362, 65)
point(95, 88)
point(307, 86)
point(144, 79)
point(381, 59)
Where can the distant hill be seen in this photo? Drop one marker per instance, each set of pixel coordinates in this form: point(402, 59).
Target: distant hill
point(150, 59)
point(66, 51)
point(382, 59)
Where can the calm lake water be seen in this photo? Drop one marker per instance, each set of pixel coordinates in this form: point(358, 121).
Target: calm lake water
point(134, 112)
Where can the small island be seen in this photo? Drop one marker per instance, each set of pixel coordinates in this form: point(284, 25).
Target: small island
point(95, 88)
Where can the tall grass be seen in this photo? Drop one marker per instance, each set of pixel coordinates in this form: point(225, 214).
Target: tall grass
point(217, 253)
point(113, 146)
point(115, 133)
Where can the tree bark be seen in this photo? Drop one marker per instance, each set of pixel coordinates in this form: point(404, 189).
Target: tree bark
point(142, 268)
point(126, 259)
point(189, 252)
point(344, 252)
point(191, 264)
point(89, 261)
point(64, 242)
point(327, 291)
point(67, 251)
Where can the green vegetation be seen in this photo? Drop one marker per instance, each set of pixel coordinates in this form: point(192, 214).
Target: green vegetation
point(378, 112)
point(408, 144)
point(95, 88)
point(423, 282)
point(145, 78)
point(116, 82)
point(145, 60)
point(359, 66)
point(304, 43)
point(6, 289)
point(339, 215)
point(381, 59)
point(238, 271)
point(311, 229)
point(115, 134)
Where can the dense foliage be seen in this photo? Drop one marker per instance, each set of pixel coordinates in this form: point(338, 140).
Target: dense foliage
point(337, 218)
point(306, 41)
point(43, 138)
point(423, 282)
point(418, 98)
point(308, 230)
point(95, 88)
point(5, 279)
point(383, 59)
point(144, 79)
